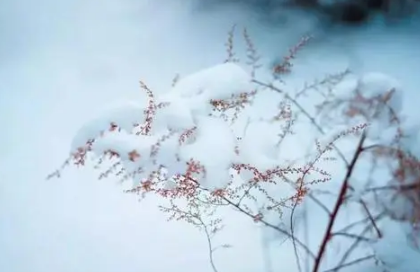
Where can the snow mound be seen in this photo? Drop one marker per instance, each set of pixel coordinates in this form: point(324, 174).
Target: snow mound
point(218, 82)
point(214, 149)
point(182, 128)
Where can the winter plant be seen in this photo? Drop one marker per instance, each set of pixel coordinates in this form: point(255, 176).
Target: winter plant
point(213, 142)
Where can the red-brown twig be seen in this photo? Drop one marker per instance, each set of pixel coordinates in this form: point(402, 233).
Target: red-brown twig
point(338, 204)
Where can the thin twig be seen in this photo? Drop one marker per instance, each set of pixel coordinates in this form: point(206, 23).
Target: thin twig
point(282, 231)
point(356, 261)
point(306, 113)
point(352, 236)
point(378, 232)
point(261, 220)
point(292, 227)
point(209, 244)
point(357, 241)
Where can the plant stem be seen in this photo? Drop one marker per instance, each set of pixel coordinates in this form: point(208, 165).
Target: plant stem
point(338, 204)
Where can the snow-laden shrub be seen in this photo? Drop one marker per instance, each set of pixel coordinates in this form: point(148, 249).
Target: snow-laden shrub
point(212, 141)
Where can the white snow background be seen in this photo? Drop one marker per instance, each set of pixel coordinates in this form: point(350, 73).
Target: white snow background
point(63, 63)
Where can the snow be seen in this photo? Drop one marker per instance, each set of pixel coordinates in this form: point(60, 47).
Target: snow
point(175, 116)
point(411, 139)
point(258, 145)
point(377, 96)
point(126, 115)
point(212, 144)
point(217, 82)
point(389, 249)
point(188, 107)
point(184, 131)
point(214, 149)
point(378, 84)
point(374, 83)
point(347, 87)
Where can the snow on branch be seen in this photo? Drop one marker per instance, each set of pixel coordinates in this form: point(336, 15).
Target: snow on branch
point(200, 147)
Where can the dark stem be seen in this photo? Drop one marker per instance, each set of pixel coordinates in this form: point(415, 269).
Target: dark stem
point(338, 204)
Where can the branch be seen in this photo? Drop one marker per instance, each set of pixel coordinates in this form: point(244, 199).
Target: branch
point(359, 260)
point(294, 242)
point(209, 244)
point(358, 241)
point(372, 220)
point(338, 204)
point(261, 220)
point(282, 231)
point(305, 112)
point(202, 225)
point(352, 236)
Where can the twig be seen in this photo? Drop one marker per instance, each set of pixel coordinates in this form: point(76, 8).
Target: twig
point(306, 233)
point(358, 241)
point(306, 113)
point(359, 260)
point(204, 226)
point(282, 231)
point(261, 220)
point(294, 242)
point(364, 220)
point(353, 236)
point(378, 232)
point(209, 244)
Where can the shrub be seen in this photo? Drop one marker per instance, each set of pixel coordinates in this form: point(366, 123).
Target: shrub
point(206, 145)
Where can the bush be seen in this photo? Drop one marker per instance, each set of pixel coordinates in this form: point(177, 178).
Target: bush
point(211, 143)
